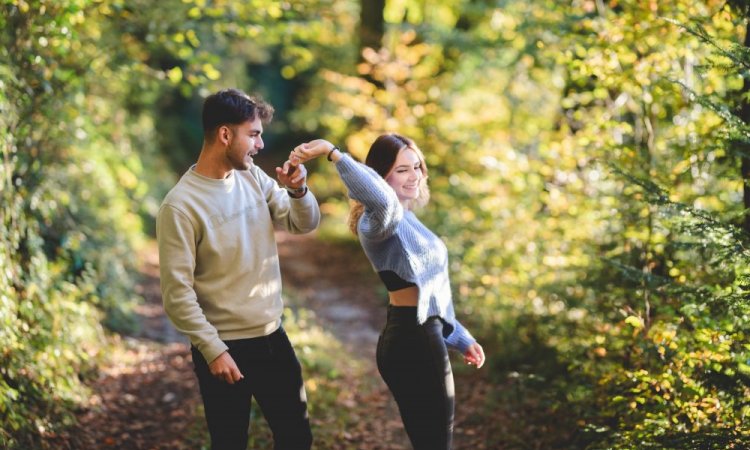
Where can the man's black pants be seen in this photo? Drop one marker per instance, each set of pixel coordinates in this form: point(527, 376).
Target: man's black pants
point(273, 377)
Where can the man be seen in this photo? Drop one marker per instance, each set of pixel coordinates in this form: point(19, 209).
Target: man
point(220, 275)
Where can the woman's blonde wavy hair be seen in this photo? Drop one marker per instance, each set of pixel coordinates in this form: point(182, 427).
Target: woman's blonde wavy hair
point(381, 157)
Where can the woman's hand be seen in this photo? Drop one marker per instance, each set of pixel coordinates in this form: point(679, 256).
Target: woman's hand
point(310, 150)
point(474, 355)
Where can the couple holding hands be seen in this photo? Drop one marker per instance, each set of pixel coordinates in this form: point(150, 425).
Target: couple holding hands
point(221, 282)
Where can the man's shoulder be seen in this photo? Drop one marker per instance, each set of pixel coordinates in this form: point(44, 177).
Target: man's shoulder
point(178, 192)
point(182, 195)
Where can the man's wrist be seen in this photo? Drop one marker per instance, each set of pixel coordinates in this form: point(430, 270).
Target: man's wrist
point(296, 192)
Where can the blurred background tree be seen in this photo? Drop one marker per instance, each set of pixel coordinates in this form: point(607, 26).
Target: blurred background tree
point(588, 164)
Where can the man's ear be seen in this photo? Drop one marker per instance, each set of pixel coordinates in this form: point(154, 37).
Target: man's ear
point(224, 134)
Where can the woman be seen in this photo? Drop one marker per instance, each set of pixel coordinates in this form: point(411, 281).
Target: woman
point(412, 262)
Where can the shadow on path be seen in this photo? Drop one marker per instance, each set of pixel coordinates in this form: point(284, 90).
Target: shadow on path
point(147, 397)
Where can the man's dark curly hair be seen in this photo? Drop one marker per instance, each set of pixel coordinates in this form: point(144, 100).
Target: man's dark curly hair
point(232, 107)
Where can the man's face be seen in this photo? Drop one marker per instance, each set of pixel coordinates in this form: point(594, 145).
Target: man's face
point(245, 142)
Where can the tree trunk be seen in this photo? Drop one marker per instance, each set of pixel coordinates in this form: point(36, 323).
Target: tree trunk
point(744, 147)
point(371, 24)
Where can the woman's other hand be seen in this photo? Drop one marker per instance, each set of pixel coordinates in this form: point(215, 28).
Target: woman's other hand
point(474, 355)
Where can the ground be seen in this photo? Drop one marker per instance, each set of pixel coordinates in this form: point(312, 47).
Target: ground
point(147, 398)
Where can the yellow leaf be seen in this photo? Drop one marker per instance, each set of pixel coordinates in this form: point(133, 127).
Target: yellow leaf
point(175, 75)
point(635, 322)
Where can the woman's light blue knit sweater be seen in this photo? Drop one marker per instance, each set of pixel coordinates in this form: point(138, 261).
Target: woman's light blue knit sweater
point(394, 239)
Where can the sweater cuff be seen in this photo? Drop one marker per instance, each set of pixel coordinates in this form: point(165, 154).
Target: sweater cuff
point(212, 350)
point(460, 339)
point(305, 213)
point(306, 201)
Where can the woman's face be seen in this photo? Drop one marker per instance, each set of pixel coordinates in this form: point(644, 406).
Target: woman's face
point(406, 175)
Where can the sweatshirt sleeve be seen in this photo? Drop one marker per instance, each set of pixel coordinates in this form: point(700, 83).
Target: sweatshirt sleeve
point(295, 215)
point(383, 211)
point(460, 339)
point(175, 234)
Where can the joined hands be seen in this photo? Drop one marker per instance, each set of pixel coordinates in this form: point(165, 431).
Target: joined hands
point(310, 150)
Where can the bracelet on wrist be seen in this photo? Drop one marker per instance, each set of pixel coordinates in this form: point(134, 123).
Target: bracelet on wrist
point(330, 153)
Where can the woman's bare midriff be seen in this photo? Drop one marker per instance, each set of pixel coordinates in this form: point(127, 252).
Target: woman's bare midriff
point(404, 297)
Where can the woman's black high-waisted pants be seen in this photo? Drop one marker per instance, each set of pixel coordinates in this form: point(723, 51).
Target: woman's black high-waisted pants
point(413, 361)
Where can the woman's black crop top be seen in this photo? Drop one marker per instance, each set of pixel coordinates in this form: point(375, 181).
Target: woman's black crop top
point(393, 282)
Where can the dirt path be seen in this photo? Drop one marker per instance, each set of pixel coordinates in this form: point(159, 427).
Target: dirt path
point(148, 398)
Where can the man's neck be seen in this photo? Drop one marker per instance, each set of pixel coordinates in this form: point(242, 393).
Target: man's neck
point(209, 165)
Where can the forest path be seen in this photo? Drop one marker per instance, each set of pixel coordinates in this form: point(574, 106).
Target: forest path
point(147, 397)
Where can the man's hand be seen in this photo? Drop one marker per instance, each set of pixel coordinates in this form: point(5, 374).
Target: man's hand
point(292, 174)
point(224, 368)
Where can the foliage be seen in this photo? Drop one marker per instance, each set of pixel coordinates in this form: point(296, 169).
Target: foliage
point(585, 164)
point(588, 198)
point(73, 193)
point(666, 317)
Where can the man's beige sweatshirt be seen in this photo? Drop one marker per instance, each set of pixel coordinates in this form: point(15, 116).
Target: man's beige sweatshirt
point(219, 265)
